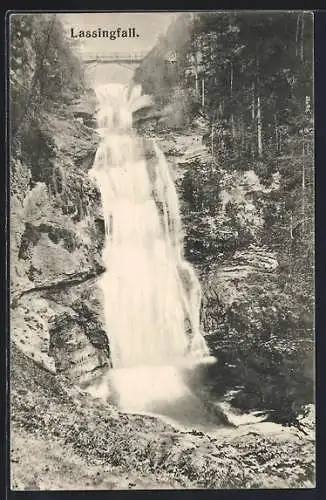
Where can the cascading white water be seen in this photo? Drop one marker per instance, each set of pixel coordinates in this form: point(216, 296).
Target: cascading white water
point(151, 293)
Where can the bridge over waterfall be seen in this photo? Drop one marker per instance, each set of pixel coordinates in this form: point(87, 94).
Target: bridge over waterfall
point(113, 57)
point(111, 67)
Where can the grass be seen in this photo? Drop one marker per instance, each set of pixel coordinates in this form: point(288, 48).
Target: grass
point(96, 446)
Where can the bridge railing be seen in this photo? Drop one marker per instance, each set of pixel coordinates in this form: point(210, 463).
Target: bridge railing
point(113, 56)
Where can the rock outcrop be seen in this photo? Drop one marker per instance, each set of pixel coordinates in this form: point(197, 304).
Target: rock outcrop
point(57, 233)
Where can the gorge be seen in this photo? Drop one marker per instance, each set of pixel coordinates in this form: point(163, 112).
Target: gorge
point(159, 272)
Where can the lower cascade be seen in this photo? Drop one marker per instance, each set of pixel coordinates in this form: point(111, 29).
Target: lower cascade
point(152, 296)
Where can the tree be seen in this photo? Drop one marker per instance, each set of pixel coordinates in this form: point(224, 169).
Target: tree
point(44, 71)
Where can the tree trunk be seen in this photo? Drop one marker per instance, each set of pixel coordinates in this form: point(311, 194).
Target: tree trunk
point(196, 83)
point(259, 129)
point(253, 125)
point(301, 38)
point(212, 139)
point(291, 225)
point(276, 134)
point(297, 35)
point(196, 71)
point(243, 132)
point(231, 99)
point(253, 102)
point(303, 188)
point(203, 93)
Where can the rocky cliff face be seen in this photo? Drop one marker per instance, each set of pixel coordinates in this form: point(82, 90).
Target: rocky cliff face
point(240, 285)
point(57, 235)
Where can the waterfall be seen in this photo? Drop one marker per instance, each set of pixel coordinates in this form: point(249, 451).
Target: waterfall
point(151, 293)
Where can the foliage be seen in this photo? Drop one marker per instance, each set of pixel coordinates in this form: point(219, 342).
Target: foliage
point(45, 74)
point(20, 179)
point(249, 79)
point(91, 430)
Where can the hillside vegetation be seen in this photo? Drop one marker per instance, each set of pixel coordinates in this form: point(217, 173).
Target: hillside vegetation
point(239, 86)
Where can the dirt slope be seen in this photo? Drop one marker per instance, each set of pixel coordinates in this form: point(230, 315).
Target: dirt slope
point(63, 439)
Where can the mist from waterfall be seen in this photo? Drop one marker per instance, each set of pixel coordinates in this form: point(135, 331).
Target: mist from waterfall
point(151, 293)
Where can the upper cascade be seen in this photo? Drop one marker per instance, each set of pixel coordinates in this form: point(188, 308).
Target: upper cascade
point(151, 293)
